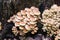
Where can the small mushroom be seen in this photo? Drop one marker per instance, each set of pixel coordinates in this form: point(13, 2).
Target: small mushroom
point(27, 27)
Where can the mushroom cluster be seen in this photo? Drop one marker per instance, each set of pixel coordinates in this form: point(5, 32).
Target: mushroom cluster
point(25, 21)
point(51, 20)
